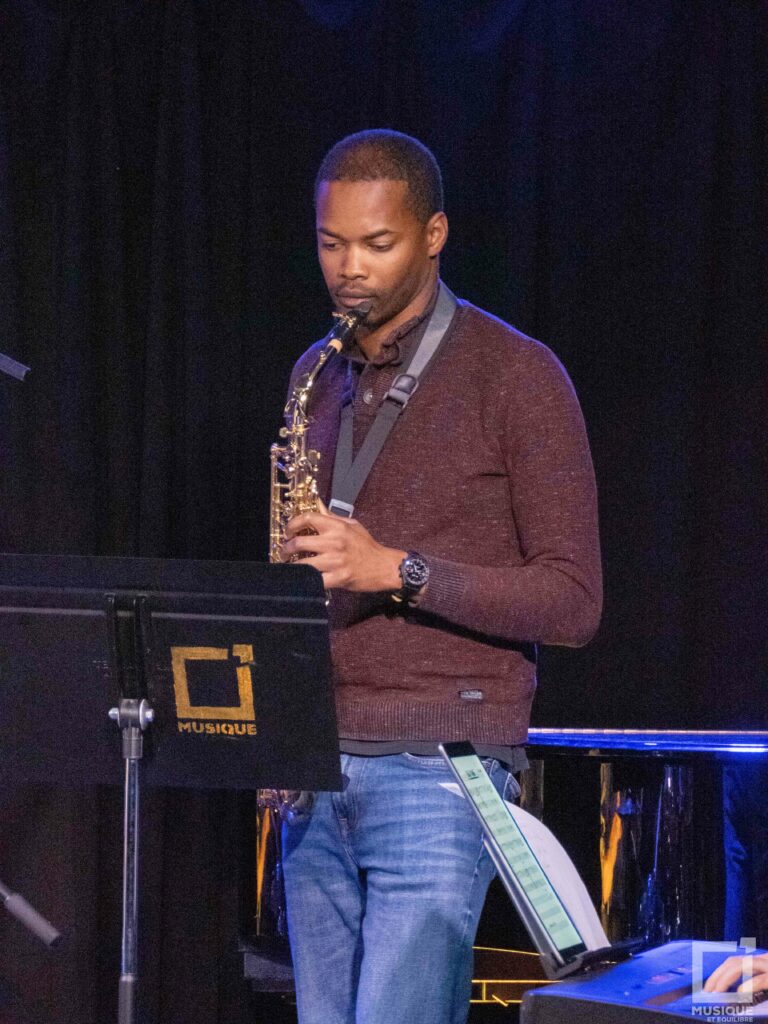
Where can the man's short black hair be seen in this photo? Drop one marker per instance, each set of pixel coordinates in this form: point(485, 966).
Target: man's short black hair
point(381, 154)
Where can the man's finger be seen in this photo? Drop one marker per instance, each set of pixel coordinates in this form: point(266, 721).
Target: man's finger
point(757, 983)
point(333, 579)
point(314, 543)
point(734, 969)
point(725, 975)
point(306, 521)
point(718, 977)
point(317, 561)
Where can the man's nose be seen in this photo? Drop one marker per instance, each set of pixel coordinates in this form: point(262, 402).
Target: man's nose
point(353, 265)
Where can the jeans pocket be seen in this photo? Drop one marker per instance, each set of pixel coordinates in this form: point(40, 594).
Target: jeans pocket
point(511, 790)
point(429, 762)
point(504, 781)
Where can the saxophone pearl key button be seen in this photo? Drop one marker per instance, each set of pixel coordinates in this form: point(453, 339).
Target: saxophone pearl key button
point(368, 396)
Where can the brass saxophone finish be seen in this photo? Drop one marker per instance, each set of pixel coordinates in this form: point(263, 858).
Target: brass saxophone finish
point(293, 489)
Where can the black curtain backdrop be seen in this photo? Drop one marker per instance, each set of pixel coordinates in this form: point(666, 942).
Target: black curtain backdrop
point(603, 162)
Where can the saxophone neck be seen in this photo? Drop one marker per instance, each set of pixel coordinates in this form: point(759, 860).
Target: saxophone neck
point(303, 387)
point(342, 330)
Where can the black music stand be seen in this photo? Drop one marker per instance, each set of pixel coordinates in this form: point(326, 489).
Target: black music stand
point(228, 661)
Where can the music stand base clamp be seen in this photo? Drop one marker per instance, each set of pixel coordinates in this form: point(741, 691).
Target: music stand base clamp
point(133, 717)
point(126, 1006)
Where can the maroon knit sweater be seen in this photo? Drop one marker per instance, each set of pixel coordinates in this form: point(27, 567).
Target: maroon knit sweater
point(487, 473)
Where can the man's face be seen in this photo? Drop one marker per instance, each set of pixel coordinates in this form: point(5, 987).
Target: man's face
point(373, 247)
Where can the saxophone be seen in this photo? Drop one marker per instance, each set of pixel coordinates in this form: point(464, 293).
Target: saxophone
point(293, 490)
point(293, 487)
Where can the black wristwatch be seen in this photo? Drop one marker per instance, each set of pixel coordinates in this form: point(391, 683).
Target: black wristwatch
point(414, 573)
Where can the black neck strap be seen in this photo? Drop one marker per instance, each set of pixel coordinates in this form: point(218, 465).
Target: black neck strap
point(350, 474)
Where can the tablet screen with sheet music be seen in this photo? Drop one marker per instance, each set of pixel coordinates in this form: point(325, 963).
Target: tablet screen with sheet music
point(518, 867)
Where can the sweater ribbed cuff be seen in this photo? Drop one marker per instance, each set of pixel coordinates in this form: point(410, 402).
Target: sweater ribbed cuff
point(445, 589)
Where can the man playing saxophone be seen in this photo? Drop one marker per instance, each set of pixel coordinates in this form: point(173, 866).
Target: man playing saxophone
point(470, 537)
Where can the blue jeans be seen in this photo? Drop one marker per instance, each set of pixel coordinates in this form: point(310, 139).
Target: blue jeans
point(385, 883)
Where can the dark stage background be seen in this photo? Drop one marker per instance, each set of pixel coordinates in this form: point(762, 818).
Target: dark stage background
point(602, 164)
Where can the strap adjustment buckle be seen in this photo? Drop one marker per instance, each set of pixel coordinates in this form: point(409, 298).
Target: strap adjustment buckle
point(341, 508)
point(403, 389)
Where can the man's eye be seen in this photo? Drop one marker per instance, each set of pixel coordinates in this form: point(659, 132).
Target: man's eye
point(329, 246)
point(384, 247)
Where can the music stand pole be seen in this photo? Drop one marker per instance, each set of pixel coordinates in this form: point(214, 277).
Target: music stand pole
point(132, 716)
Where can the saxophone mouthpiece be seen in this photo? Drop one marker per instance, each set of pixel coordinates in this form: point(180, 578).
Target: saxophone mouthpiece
point(361, 312)
point(347, 323)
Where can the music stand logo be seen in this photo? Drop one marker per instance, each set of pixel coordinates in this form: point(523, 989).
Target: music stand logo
point(220, 719)
point(721, 1007)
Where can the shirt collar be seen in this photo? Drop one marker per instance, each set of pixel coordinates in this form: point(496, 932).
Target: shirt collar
point(399, 341)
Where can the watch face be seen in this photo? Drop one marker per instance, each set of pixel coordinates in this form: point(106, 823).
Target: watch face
point(415, 571)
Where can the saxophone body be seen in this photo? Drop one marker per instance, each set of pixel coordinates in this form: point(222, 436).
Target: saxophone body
point(293, 482)
point(293, 488)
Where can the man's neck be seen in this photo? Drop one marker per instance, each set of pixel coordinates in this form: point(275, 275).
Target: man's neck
point(371, 344)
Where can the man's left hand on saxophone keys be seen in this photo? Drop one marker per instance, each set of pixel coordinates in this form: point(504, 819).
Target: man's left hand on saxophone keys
point(344, 552)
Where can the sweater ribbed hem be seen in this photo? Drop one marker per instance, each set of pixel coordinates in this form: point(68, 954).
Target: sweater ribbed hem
point(404, 719)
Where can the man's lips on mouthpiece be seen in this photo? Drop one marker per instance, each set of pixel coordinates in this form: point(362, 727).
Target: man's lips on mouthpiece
point(351, 302)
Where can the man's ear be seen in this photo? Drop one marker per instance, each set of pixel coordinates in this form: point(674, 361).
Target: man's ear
point(437, 233)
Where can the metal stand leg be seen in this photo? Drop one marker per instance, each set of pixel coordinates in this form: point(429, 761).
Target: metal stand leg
point(645, 851)
point(133, 717)
point(29, 917)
